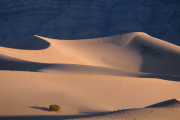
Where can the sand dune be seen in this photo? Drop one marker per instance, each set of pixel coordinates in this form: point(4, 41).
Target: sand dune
point(91, 77)
point(137, 52)
point(79, 93)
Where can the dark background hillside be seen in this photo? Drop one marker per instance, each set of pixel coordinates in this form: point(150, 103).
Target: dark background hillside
point(82, 19)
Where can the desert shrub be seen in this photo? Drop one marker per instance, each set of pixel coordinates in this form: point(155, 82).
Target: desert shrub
point(54, 108)
point(115, 110)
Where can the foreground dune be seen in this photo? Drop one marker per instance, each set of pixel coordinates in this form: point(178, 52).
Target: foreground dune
point(31, 93)
point(130, 74)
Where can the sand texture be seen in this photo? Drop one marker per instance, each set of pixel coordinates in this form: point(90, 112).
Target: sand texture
point(131, 77)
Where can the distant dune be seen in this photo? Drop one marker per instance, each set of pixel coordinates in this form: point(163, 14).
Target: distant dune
point(91, 78)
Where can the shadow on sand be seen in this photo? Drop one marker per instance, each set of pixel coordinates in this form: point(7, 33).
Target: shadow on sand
point(166, 103)
point(6, 63)
point(9, 63)
point(164, 77)
point(31, 43)
point(51, 117)
point(40, 108)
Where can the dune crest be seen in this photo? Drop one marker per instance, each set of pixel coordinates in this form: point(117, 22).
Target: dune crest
point(136, 52)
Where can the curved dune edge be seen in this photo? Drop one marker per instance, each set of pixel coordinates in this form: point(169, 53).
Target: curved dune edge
point(173, 103)
point(121, 40)
point(31, 43)
point(136, 52)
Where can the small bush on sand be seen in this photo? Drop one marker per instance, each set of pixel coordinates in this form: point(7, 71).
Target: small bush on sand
point(54, 108)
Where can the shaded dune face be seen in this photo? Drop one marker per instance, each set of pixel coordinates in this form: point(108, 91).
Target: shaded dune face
point(133, 53)
point(173, 103)
point(31, 43)
point(156, 57)
point(10, 63)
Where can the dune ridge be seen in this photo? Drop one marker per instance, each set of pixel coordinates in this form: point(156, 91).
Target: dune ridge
point(136, 52)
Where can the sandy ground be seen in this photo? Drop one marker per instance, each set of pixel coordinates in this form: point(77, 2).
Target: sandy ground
point(124, 77)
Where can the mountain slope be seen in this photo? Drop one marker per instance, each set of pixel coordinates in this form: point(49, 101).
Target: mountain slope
point(79, 19)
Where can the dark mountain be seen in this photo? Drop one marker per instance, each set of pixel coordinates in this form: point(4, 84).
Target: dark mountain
point(82, 19)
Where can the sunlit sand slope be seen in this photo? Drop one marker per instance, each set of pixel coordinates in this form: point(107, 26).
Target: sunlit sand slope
point(136, 52)
point(30, 93)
